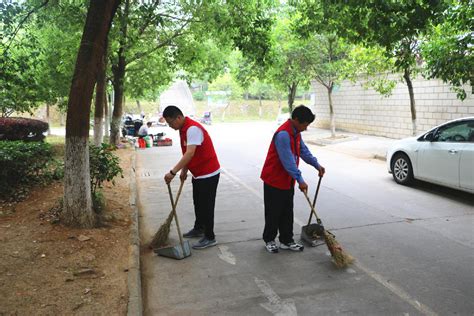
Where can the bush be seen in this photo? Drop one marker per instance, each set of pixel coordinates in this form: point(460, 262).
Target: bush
point(19, 128)
point(104, 165)
point(25, 163)
point(199, 96)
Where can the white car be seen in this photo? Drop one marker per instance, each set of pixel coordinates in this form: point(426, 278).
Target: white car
point(444, 155)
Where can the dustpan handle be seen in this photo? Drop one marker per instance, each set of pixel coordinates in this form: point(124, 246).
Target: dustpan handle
point(174, 204)
point(314, 203)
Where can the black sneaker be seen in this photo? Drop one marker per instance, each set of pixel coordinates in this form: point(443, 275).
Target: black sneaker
point(204, 243)
point(194, 233)
point(294, 246)
point(271, 247)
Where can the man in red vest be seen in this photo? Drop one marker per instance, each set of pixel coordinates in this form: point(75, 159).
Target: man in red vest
point(279, 174)
point(200, 158)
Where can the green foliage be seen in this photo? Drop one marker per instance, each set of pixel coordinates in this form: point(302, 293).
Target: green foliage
point(19, 128)
point(394, 26)
point(26, 163)
point(199, 96)
point(18, 59)
point(104, 165)
point(98, 202)
point(448, 50)
point(37, 54)
point(371, 64)
point(227, 83)
point(186, 40)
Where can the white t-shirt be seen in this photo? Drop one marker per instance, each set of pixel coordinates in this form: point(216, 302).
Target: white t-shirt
point(195, 136)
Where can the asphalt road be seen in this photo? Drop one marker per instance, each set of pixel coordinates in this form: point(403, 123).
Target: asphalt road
point(413, 245)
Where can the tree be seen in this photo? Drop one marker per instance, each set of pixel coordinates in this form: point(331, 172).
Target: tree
point(161, 32)
point(291, 59)
point(77, 202)
point(395, 26)
point(330, 59)
point(18, 59)
point(447, 49)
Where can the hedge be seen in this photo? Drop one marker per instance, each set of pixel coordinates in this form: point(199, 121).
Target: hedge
point(20, 128)
point(24, 163)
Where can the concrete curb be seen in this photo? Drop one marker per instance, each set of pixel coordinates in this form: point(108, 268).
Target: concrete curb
point(135, 304)
point(329, 141)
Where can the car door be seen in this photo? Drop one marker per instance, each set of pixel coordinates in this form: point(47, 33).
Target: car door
point(439, 160)
point(466, 168)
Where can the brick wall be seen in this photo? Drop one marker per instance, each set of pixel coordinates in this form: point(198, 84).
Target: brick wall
point(365, 111)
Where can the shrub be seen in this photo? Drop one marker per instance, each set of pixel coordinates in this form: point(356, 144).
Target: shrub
point(104, 165)
point(198, 96)
point(19, 128)
point(25, 163)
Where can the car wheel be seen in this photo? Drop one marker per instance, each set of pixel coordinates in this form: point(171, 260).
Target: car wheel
point(402, 170)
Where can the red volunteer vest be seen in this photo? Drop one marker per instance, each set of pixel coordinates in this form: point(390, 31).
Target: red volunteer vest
point(273, 172)
point(204, 160)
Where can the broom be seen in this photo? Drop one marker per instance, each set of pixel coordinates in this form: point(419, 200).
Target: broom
point(161, 236)
point(340, 258)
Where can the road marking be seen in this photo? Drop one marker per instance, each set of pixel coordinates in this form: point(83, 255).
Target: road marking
point(275, 304)
point(395, 289)
point(226, 255)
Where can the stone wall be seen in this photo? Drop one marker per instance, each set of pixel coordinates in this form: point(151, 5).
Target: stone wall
point(365, 111)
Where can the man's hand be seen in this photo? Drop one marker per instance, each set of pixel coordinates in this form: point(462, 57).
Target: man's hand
point(183, 175)
point(321, 170)
point(303, 186)
point(168, 177)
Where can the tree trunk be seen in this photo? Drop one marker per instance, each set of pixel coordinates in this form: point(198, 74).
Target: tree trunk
point(118, 71)
point(260, 109)
point(331, 113)
point(139, 107)
point(279, 104)
point(107, 116)
point(100, 99)
point(48, 119)
point(77, 202)
point(117, 112)
point(223, 112)
point(291, 95)
point(406, 76)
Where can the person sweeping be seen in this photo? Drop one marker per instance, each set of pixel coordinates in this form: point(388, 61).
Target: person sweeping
point(280, 173)
point(199, 157)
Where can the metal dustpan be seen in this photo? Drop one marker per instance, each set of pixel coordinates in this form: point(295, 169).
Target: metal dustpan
point(183, 249)
point(178, 252)
point(313, 234)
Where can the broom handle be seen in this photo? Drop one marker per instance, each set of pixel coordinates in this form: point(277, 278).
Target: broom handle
point(314, 204)
point(312, 207)
point(174, 204)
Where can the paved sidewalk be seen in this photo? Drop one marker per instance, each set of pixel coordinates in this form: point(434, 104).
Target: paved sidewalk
point(238, 277)
point(362, 146)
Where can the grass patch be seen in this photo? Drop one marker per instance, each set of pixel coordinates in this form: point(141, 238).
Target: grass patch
point(57, 143)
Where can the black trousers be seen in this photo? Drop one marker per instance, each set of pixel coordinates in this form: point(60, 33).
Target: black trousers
point(278, 214)
point(204, 198)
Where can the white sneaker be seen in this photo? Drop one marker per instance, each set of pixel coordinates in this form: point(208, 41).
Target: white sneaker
point(271, 247)
point(294, 246)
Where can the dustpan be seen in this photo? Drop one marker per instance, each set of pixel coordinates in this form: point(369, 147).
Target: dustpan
point(183, 249)
point(178, 252)
point(313, 234)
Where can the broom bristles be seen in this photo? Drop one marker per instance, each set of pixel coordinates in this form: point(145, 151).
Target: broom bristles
point(161, 236)
point(340, 258)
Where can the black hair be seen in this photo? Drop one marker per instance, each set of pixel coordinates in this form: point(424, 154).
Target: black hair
point(172, 112)
point(303, 114)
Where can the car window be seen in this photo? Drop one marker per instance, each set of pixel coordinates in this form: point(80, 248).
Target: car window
point(456, 132)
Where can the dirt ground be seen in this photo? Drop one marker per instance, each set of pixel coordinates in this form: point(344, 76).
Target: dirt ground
point(49, 269)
